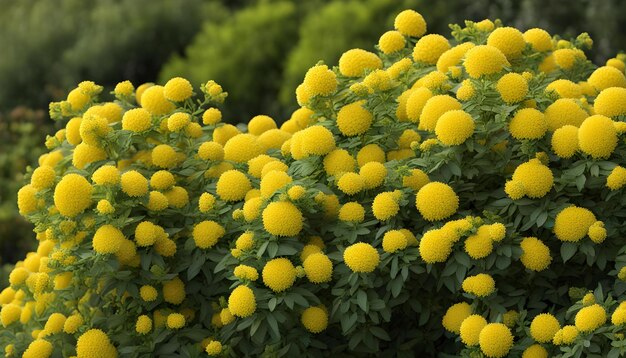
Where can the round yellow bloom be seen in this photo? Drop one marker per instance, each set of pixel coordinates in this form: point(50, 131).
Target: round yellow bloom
point(72, 195)
point(536, 178)
point(136, 120)
point(314, 319)
point(233, 185)
point(436, 201)
point(429, 48)
point(479, 246)
point(605, 77)
point(351, 183)
point(495, 340)
point(539, 39)
point(164, 156)
point(512, 87)
point(317, 140)
point(455, 315)
point(481, 285)
point(174, 291)
point(95, 343)
point(27, 200)
point(134, 184)
point(148, 293)
point(282, 219)
point(352, 212)
point(339, 161)
point(124, 88)
point(207, 233)
point(434, 108)
point(590, 318)
point(162, 180)
point(573, 223)
point(597, 137)
point(617, 179)
point(416, 101)
point(565, 141)
point(77, 99)
point(536, 255)
point(373, 174)
point(564, 111)
point(214, 348)
point(565, 58)
point(85, 154)
point(178, 121)
point(177, 89)
point(105, 207)
point(391, 41)
point(175, 321)
point(107, 239)
point(509, 40)
point(260, 124)
point(385, 206)
point(211, 116)
point(611, 102)
point(154, 101)
point(416, 180)
point(535, 351)
point(470, 329)
point(43, 177)
point(454, 127)
point(318, 267)
point(274, 181)
point(410, 23)
point(453, 57)
point(354, 63)
point(319, 80)
point(361, 257)
point(279, 274)
point(353, 119)
point(143, 324)
point(484, 60)
point(394, 240)
point(241, 148)
point(296, 192)
point(72, 323)
point(39, 348)
point(106, 175)
point(543, 327)
point(10, 313)
point(528, 123)
point(565, 89)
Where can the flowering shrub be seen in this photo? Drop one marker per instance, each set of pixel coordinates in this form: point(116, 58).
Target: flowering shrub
point(452, 197)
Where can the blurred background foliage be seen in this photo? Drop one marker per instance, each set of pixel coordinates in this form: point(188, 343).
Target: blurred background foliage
point(258, 50)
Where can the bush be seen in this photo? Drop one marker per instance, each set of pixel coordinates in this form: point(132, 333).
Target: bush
point(425, 200)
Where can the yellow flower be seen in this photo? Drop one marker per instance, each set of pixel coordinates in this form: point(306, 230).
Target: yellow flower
point(319, 80)
point(597, 232)
point(104, 207)
point(565, 89)
point(317, 140)
point(175, 321)
point(106, 175)
point(611, 102)
point(470, 329)
point(509, 40)
point(466, 90)
point(314, 319)
point(260, 124)
point(136, 120)
point(10, 313)
point(617, 179)
point(241, 148)
point(351, 183)
point(590, 318)
point(543, 327)
point(429, 48)
point(241, 302)
point(85, 154)
point(512, 87)
point(352, 212)
point(434, 108)
point(377, 80)
point(178, 121)
point(107, 239)
point(539, 39)
point(214, 348)
point(479, 246)
point(564, 111)
point(484, 60)
point(416, 101)
point(226, 317)
point(27, 199)
point(535, 254)
point(174, 291)
point(528, 123)
point(211, 116)
point(177, 89)
point(134, 184)
point(143, 324)
point(495, 340)
point(39, 348)
point(453, 57)
point(72, 195)
point(124, 89)
point(573, 223)
point(72, 323)
point(296, 192)
point(394, 240)
point(410, 23)
point(536, 178)
point(510, 318)
point(607, 76)
point(353, 119)
point(154, 101)
point(318, 267)
point(43, 177)
point(436, 201)
point(361, 257)
point(274, 181)
point(244, 272)
point(77, 99)
point(435, 246)
point(354, 63)
point(481, 285)
point(385, 206)
point(454, 127)
point(338, 161)
point(95, 343)
point(233, 185)
point(207, 233)
point(391, 41)
point(597, 137)
point(565, 141)
point(455, 315)
point(282, 219)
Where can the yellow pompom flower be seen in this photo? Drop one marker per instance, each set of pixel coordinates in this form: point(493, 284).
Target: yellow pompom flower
point(107, 239)
point(148, 293)
point(317, 140)
point(261, 124)
point(617, 179)
point(434, 108)
point(565, 89)
point(512, 87)
point(134, 184)
point(528, 123)
point(536, 178)
point(124, 89)
point(353, 119)
point(481, 285)
point(106, 175)
point(27, 199)
point(136, 120)
point(605, 77)
point(415, 103)
point(350, 183)
point(177, 89)
point(206, 233)
point(597, 232)
point(377, 80)
point(178, 121)
point(314, 319)
point(436, 201)
point(543, 327)
point(394, 240)
point(454, 127)
point(339, 161)
point(453, 57)
point(410, 23)
point(164, 156)
point(43, 177)
point(385, 206)
point(174, 291)
point(355, 62)
point(416, 180)
point(232, 185)
point(214, 348)
point(391, 41)
point(479, 246)
point(535, 351)
point(244, 272)
point(484, 60)
point(9, 314)
point(252, 208)
point(429, 48)
point(361, 257)
point(509, 40)
point(455, 315)
point(373, 174)
point(274, 181)
point(143, 324)
point(211, 116)
point(352, 212)
point(154, 101)
point(39, 348)
point(470, 329)
point(105, 207)
point(85, 154)
point(573, 223)
point(72, 323)
point(77, 99)
point(590, 318)
point(495, 340)
point(241, 148)
point(319, 80)
point(597, 137)
point(535, 254)
point(565, 141)
point(611, 102)
point(564, 111)
point(279, 274)
point(211, 151)
point(539, 39)
point(296, 192)
point(175, 321)
point(282, 219)
point(72, 195)
point(95, 343)
point(318, 267)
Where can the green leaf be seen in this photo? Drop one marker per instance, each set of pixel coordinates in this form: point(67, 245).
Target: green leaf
point(361, 299)
point(568, 250)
